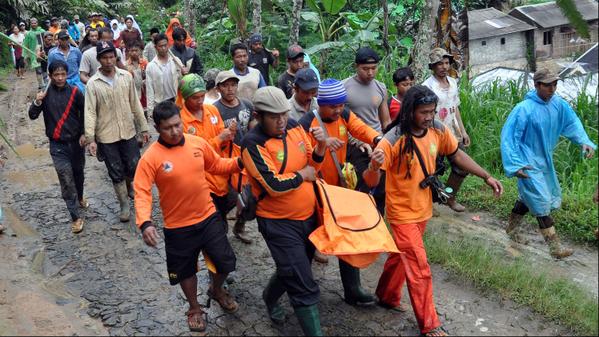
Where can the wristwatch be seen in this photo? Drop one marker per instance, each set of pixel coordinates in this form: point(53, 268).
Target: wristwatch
point(377, 139)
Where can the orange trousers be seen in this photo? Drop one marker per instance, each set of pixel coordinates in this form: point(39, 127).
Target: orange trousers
point(412, 266)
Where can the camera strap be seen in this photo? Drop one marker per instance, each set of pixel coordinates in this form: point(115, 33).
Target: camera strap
point(421, 161)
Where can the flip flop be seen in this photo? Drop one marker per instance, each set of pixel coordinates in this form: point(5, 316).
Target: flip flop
point(195, 320)
point(226, 302)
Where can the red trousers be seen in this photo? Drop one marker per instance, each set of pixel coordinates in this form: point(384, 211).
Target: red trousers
point(412, 266)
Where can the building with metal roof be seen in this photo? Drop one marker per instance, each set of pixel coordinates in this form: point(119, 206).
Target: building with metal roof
point(497, 39)
point(554, 36)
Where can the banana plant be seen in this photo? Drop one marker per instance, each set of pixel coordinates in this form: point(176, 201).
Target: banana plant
point(238, 13)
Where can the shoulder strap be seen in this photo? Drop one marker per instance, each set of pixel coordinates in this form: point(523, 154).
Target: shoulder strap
point(284, 165)
point(333, 153)
point(421, 161)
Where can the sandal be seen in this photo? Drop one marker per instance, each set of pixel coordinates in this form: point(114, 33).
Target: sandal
point(77, 226)
point(226, 301)
point(83, 203)
point(400, 308)
point(436, 332)
point(195, 320)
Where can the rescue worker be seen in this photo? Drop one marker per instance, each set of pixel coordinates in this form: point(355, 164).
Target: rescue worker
point(339, 122)
point(414, 138)
point(177, 164)
point(528, 140)
point(204, 120)
point(282, 165)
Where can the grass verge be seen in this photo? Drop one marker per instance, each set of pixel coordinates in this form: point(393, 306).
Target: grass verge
point(557, 299)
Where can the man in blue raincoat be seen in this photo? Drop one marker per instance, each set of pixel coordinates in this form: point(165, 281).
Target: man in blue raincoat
point(528, 139)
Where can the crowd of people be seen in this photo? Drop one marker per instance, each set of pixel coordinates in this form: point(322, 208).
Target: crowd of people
point(226, 132)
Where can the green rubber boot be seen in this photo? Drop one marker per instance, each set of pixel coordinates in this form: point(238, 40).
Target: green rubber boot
point(271, 294)
point(353, 292)
point(309, 319)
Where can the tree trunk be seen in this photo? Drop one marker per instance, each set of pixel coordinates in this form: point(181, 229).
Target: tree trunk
point(189, 16)
point(422, 44)
point(295, 22)
point(257, 16)
point(386, 34)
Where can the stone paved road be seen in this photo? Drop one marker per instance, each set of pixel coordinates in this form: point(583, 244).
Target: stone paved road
point(116, 279)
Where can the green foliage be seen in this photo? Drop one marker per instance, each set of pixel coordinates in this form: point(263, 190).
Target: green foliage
point(569, 9)
point(484, 112)
point(554, 297)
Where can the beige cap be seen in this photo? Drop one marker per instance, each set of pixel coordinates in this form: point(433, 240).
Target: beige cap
point(270, 99)
point(437, 56)
point(545, 75)
point(225, 75)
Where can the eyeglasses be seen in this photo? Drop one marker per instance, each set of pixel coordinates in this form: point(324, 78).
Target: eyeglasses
point(428, 99)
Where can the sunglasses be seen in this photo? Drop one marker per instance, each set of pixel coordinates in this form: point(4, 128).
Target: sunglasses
point(428, 99)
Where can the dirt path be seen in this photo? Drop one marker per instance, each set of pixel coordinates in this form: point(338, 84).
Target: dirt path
point(106, 281)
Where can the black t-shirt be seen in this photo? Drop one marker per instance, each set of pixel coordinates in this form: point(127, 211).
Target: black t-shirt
point(262, 62)
point(242, 113)
point(285, 83)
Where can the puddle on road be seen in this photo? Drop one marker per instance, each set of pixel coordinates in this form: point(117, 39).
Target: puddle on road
point(20, 227)
point(28, 151)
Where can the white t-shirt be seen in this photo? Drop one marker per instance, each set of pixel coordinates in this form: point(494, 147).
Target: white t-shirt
point(17, 38)
point(89, 62)
point(449, 102)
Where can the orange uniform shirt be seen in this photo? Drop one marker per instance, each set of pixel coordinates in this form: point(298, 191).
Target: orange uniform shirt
point(209, 127)
point(406, 202)
point(346, 124)
point(179, 172)
point(288, 196)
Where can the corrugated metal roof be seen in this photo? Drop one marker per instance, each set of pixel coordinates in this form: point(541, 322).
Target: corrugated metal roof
point(490, 22)
point(568, 88)
point(547, 15)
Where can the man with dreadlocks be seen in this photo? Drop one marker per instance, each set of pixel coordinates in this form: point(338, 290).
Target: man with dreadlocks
point(407, 153)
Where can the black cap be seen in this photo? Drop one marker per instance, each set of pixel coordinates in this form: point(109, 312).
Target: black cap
point(295, 51)
point(63, 34)
point(306, 79)
point(103, 47)
point(366, 55)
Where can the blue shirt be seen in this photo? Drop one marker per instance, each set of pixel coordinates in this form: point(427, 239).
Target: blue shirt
point(73, 60)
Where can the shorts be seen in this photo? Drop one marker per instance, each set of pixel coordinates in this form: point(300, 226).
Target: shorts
point(20, 63)
point(183, 247)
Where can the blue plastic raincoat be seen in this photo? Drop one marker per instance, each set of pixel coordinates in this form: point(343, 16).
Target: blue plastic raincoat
point(529, 137)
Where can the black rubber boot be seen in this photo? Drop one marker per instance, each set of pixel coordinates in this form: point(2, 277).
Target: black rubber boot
point(309, 319)
point(271, 294)
point(353, 292)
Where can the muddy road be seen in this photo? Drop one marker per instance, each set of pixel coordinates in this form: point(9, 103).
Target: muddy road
point(106, 281)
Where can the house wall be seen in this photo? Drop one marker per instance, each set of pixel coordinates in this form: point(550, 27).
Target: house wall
point(512, 54)
point(561, 46)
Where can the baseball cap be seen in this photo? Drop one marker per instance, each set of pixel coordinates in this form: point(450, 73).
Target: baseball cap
point(270, 99)
point(76, 17)
point(436, 55)
point(211, 74)
point(544, 75)
point(225, 75)
point(104, 47)
point(294, 51)
point(306, 79)
point(191, 84)
point(255, 38)
point(366, 55)
point(21, 24)
point(63, 34)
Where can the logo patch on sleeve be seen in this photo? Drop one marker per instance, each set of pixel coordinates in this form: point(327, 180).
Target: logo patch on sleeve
point(167, 166)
